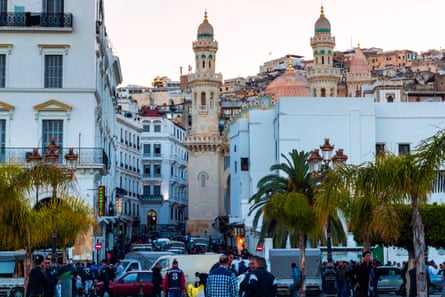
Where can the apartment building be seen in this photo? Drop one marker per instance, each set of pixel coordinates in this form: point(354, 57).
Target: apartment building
point(57, 81)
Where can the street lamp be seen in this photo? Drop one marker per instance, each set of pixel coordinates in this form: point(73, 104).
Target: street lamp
point(318, 166)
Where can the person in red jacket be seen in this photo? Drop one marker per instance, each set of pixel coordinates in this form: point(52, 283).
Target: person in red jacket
point(174, 281)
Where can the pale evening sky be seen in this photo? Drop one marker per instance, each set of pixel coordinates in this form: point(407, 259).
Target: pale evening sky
point(154, 37)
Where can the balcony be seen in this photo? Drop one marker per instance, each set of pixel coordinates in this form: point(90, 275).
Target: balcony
point(152, 198)
point(36, 20)
point(87, 157)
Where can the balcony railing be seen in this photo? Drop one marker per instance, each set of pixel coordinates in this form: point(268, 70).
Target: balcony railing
point(86, 156)
point(152, 198)
point(31, 19)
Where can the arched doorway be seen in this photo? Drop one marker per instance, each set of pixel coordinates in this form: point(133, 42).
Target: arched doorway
point(152, 220)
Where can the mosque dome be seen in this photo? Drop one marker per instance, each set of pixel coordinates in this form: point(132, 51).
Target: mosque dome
point(358, 62)
point(322, 25)
point(205, 30)
point(290, 84)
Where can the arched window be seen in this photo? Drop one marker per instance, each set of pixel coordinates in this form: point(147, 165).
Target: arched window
point(210, 64)
point(323, 92)
point(203, 64)
point(203, 98)
point(322, 60)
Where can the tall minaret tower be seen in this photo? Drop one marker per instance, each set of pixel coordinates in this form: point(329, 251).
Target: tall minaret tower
point(323, 77)
point(205, 144)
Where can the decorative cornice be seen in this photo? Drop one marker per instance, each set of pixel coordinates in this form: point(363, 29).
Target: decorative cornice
point(53, 106)
point(63, 47)
point(7, 47)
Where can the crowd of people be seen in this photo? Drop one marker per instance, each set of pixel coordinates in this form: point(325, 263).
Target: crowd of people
point(229, 277)
point(45, 279)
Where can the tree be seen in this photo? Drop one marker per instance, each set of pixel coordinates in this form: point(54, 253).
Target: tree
point(284, 201)
point(28, 228)
point(363, 195)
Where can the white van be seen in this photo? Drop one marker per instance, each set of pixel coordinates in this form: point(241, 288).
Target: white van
point(189, 264)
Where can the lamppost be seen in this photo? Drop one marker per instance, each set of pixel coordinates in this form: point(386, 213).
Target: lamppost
point(318, 166)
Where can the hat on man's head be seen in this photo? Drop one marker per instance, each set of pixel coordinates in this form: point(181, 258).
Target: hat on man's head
point(175, 261)
point(38, 259)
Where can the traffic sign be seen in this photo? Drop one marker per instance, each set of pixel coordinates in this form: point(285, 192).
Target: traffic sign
point(98, 246)
point(259, 248)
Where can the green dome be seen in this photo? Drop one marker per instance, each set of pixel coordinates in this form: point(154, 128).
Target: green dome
point(205, 30)
point(322, 25)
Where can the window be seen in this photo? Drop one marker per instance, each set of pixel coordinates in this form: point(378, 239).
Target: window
point(145, 128)
point(379, 148)
point(403, 148)
point(147, 147)
point(146, 190)
point(157, 190)
point(157, 149)
point(53, 71)
point(244, 164)
point(147, 170)
point(53, 6)
point(157, 170)
point(3, 6)
point(52, 129)
point(2, 71)
point(2, 140)
point(157, 128)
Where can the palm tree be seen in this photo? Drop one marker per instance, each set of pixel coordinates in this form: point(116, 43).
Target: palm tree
point(284, 201)
point(24, 227)
point(362, 193)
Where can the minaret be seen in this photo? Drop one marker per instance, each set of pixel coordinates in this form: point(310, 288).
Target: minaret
point(323, 77)
point(205, 144)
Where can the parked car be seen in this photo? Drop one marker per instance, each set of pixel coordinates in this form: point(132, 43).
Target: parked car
point(131, 283)
point(141, 247)
point(390, 280)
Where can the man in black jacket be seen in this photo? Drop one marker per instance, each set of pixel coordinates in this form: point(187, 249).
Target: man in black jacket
point(361, 275)
point(37, 279)
point(261, 283)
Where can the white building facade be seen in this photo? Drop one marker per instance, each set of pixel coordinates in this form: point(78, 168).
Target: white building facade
point(57, 76)
point(359, 126)
point(164, 198)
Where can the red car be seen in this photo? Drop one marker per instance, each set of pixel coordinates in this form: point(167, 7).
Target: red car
point(131, 283)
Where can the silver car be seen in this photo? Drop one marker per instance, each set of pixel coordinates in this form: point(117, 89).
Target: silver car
point(390, 280)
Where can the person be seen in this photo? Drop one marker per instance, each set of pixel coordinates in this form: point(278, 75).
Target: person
point(296, 277)
point(157, 280)
point(260, 281)
point(174, 281)
point(342, 279)
point(105, 276)
point(242, 267)
point(216, 265)
point(244, 278)
point(51, 277)
point(119, 269)
point(88, 279)
point(413, 280)
point(37, 278)
point(361, 275)
point(222, 281)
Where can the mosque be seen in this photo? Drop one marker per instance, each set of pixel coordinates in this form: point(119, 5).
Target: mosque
point(298, 110)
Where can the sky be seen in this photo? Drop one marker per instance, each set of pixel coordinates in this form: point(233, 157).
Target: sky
point(154, 37)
